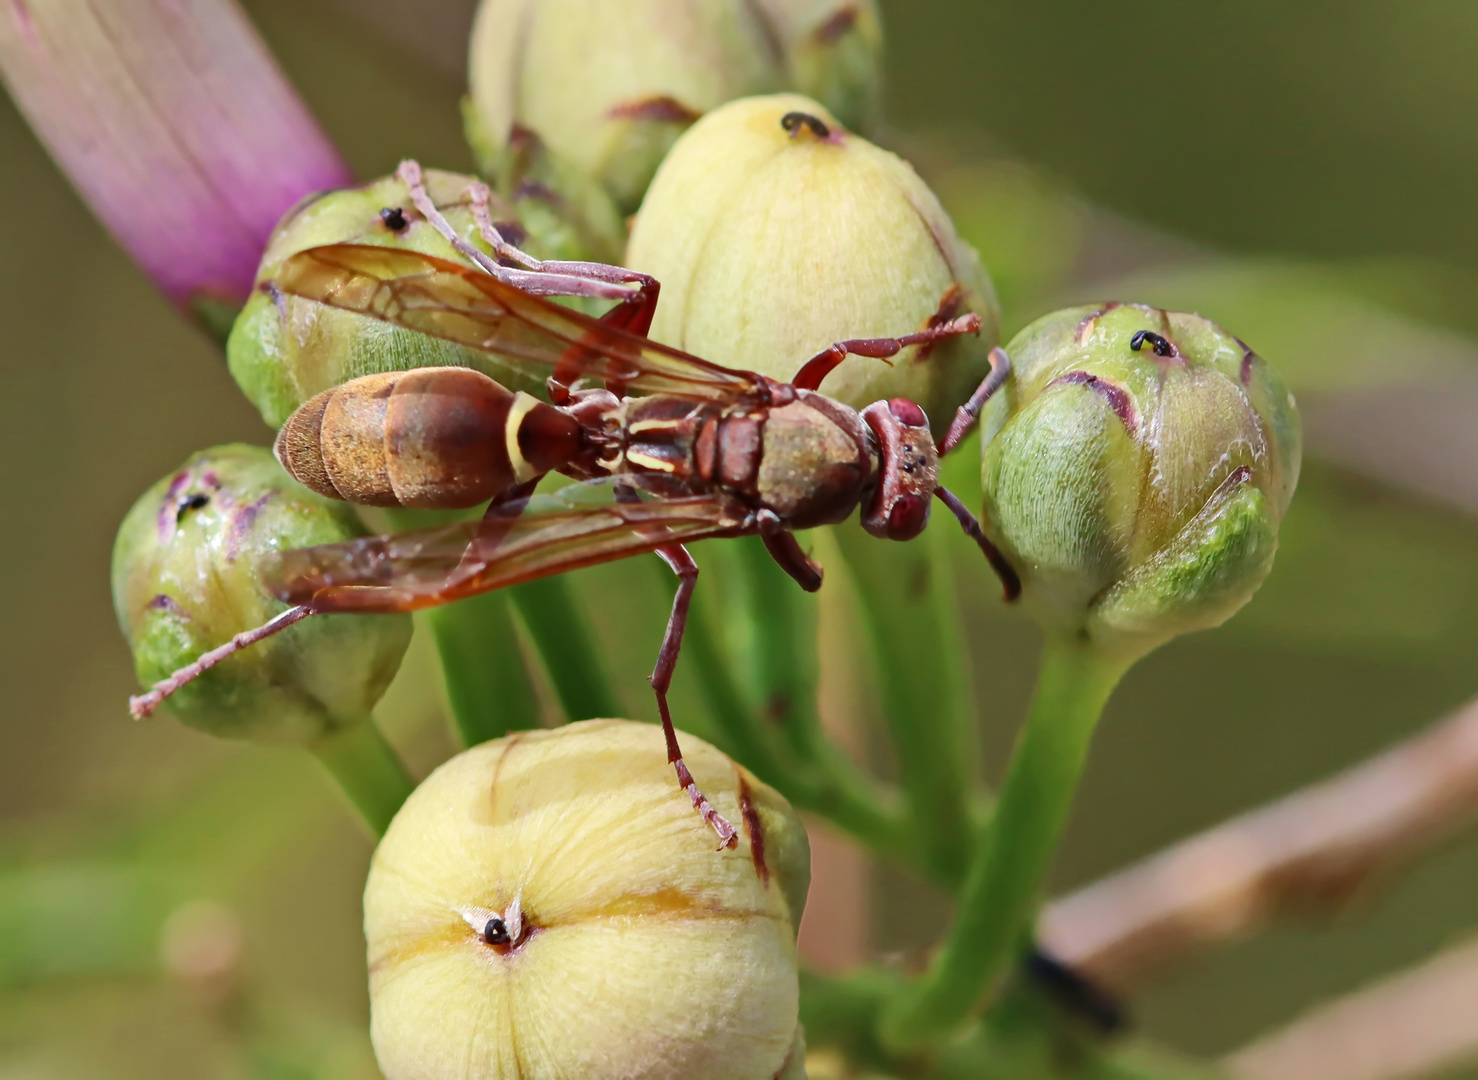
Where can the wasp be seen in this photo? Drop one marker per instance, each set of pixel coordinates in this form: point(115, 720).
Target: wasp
point(668, 449)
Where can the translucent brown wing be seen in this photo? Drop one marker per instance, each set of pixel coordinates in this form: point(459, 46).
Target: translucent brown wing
point(467, 306)
point(578, 526)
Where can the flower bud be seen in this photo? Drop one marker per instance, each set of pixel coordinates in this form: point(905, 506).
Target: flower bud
point(548, 905)
point(833, 53)
point(1136, 470)
point(775, 232)
point(284, 349)
point(185, 581)
point(608, 87)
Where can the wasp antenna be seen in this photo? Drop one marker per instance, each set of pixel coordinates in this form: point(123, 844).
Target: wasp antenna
point(1010, 580)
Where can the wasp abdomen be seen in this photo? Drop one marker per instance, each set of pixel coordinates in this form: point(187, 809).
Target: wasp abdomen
point(431, 438)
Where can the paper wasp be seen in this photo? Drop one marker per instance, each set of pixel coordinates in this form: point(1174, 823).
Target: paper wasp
point(706, 451)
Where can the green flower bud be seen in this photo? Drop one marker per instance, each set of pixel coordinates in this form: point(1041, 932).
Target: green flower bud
point(776, 232)
point(608, 87)
point(833, 52)
point(548, 905)
point(284, 349)
point(185, 581)
point(1135, 472)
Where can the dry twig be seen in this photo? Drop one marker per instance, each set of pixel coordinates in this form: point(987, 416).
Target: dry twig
point(1416, 1023)
point(1310, 850)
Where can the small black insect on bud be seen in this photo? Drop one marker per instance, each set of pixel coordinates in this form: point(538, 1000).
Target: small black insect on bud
point(394, 218)
point(194, 502)
point(1161, 346)
point(496, 932)
point(794, 121)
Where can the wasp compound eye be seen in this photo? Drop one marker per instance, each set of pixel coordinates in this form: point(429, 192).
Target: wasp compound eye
point(794, 121)
point(908, 516)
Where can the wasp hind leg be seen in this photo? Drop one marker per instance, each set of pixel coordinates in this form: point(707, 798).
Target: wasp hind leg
point(685, 567)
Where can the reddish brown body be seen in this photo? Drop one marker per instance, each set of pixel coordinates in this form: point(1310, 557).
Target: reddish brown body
point(706, 451)
point(432, 438)
point(451, 438)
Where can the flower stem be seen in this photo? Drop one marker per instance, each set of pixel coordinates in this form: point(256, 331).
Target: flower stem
point(565, 641)
point(907, 601)
point(487, 685)
point(1006, 873)
point(368, 770)
point(786, 668)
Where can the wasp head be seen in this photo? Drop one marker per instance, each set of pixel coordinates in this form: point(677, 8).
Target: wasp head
point(908, 469)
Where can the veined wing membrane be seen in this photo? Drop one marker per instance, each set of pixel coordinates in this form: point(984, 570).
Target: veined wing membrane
point(467, 306)
point(552, 534)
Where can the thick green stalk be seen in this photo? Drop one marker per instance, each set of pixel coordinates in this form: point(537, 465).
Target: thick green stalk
point(907, 599)
point(786, 668)
point(487, 684)
point(739, 729)
point(567, 645)
point(1006, 873)
point(368, 770)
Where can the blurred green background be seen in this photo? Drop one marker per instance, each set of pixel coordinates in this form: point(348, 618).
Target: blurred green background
point(1301, 172)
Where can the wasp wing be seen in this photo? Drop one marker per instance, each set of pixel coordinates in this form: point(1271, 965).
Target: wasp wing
point(470, 307)
point(579, 526)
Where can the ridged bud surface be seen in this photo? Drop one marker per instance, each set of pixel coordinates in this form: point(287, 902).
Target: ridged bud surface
point(1135, 471)
point(185, 581)
point(624, 944)
point(774, 237)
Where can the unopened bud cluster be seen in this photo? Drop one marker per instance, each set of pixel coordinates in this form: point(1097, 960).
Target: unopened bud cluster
point(1136, 471)
point(776, 232)
point(283, 349)
point(186, 579)
point(608, 87)
point(547, 905)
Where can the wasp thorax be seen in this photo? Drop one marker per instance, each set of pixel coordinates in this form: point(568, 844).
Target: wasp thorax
point(186, 579)
point(283, 350)
point(775, 232)
point(546, 906)
point(1136, 470)
point(435, 438)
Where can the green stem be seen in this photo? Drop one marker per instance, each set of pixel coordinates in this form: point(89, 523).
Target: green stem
point(786, 673)
point(368, 770)
point(488, 687)
point(906, 595)
point(745, 738)
point(487, 684)
point(565, 642)
point(1014, 852)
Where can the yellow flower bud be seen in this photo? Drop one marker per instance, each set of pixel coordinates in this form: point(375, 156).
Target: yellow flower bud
point(548, 905)
point(608, 86)
point(775, 236)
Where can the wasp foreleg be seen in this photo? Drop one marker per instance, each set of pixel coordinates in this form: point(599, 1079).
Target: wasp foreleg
point(968, 413)
point(821, 365)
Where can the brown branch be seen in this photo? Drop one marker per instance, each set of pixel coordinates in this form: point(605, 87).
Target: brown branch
point(1308, 851)
point(1412, 1024)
